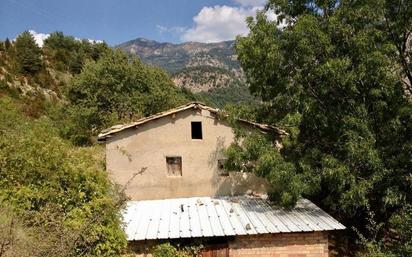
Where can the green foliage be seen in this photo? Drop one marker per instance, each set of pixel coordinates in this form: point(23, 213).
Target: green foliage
point(255, 154)
point(55, 198)
point(231, 94)
point(28, 54)
point(168, 250)
point(113, 89)
point(7, 44)
point(59, 193)
point(65, 53)
point(336, 77)
point(401, 223)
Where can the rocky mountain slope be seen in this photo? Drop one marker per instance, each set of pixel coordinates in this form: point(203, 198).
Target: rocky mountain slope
point(198, 67)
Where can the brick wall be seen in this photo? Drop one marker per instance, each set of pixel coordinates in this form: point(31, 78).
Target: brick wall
point(313, 244)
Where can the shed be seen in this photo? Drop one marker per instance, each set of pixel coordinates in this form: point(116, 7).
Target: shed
point(244, 225)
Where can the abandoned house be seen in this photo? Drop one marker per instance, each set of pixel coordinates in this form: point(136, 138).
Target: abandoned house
point(184, 192)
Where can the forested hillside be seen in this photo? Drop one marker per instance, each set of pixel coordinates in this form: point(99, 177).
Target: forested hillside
point(55, 196)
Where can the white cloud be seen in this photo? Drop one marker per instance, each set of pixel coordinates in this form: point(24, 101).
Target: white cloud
point(93, 41)
point(219, 23)
point(39, 37)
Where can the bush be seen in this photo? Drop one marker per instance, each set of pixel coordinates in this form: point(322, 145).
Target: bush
point(168, 250)
point(59, 193)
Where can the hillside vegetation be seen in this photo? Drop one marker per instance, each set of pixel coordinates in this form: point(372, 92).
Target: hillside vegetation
point(55, 196)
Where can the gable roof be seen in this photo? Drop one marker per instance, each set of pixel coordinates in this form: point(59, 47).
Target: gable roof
point(220, 216)
point(192, 105)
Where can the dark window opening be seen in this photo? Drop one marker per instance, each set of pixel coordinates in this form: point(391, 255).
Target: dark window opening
point(221, 167)
point(174, 165)
point(197, 130)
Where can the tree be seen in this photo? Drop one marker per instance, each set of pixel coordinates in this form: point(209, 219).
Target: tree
point(113, 89)
point(334, 76)
point(60, 49)
point(7, 44)
point(398, 20)
point(27, 53)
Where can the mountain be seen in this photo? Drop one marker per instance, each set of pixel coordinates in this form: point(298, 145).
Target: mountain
point(175, 57)
point(210, 70)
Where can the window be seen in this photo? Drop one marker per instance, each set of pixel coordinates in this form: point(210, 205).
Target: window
point(221, 167)
point(197, 130)
point(174, 165)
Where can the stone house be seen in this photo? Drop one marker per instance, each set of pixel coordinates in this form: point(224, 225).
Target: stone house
point(185, 193)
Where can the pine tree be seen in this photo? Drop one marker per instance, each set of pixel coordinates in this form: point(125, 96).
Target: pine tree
point(7, 44)
point(28, 54)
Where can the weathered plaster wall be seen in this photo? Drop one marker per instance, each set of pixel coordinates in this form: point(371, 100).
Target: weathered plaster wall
point(148, 145)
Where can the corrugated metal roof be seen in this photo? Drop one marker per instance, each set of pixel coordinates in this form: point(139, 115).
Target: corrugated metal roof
point(221, 216)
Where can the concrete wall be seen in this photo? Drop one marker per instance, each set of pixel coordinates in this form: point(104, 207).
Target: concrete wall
point(148, 145)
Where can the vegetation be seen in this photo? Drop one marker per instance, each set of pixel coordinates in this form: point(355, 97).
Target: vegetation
point(56, 199)
point(55, 196)
point(113, 90)
point(168, 250)
point(230, 94)
point(27, 53)
point(337, 77)
point(67, 54)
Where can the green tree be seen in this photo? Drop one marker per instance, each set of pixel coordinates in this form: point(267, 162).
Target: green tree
point(60, 49)
point(335, 77)
point(7, 44)
point(65, 53)
point(27, 53)
point(114, 89)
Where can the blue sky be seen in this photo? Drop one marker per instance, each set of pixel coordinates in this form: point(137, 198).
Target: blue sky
point(122, 20)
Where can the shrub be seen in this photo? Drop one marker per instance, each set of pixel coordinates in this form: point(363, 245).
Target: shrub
point(168, 250)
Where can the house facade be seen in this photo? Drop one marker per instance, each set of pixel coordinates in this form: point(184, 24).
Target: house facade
point(181, 151)
point(172, 164)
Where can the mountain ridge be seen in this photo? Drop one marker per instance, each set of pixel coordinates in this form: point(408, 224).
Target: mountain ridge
point(174, 57)
point(209, 69)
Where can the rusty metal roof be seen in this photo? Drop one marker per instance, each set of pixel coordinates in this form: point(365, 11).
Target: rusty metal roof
point(196, 105)
point(220, 216)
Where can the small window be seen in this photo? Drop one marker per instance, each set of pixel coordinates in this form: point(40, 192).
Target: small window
point(174, 165)
point(197, 130)
point(221, 167)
